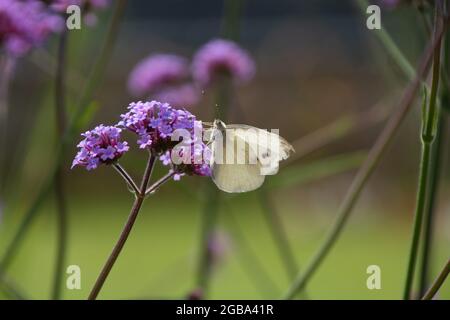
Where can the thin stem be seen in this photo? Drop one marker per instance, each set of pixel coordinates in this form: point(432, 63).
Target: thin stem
point(160, 182)
point(438, 150)
point(364, 173)
point(438, 282)
point(140, 197)
point(390, 45)
point(128, 179)
point(428, 135)
point(60, 195)
point(47, 187)
point(232, 12)
point(436, 162)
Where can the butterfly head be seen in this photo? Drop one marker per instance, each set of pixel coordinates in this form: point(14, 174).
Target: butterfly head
point(219, 124)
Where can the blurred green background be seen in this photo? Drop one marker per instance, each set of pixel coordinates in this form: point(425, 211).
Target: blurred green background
point(316, 62)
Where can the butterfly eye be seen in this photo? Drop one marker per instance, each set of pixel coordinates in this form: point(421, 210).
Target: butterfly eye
point(266, 155)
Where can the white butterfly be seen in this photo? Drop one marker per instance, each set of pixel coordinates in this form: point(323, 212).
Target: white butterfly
point(243, 155)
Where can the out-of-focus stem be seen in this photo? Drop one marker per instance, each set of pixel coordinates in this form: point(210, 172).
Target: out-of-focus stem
point(390, 45)
point(230, 28)
point(438, 282)
point(93, 81)
point(6, 69)
point(365, 171)
point(428, 136)
point(60, 195)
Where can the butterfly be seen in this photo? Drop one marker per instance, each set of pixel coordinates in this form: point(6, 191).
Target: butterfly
point(243, 155)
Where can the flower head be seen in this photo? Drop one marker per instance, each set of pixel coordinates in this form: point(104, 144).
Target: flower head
point(179, 96)
point(25, 24)
point(101, 145)
point(222, 57)
point(156, 73)
point(173, 134)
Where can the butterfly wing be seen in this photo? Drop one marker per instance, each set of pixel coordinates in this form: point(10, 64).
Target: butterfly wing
point(235, 177)
point(269, 147)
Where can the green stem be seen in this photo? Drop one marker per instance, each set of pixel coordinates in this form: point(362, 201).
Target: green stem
point(438, 282)
point(438, 150)
point(364, 173)
point(435, 168)
point(428, 136)
point(47, 187)
point(60, 195)
point(230, 28)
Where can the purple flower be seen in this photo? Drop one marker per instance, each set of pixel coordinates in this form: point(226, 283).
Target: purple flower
point(25, 24)
point(157, 72)
point(101, 145)
point(185, 95)
point(222, 57)
point(158, 127)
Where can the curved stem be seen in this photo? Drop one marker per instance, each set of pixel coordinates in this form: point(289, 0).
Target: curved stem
point(140, 197)
point(438, 282)
point(124, 174)
point(428, 136)
point(60, 195)
point(47, 187)
point(364, 173)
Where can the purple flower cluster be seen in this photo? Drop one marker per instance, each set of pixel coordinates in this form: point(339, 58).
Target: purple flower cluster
point(101, 145)
point(219, 57)
point(155, 123)
point(25, 24)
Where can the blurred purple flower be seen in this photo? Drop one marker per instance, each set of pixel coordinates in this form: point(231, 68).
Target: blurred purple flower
point(157, 72)
point(101, 145)
point(219, 244)
point(184, 95)
point(222, 57)
point(155, 122)
point(25, 24)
